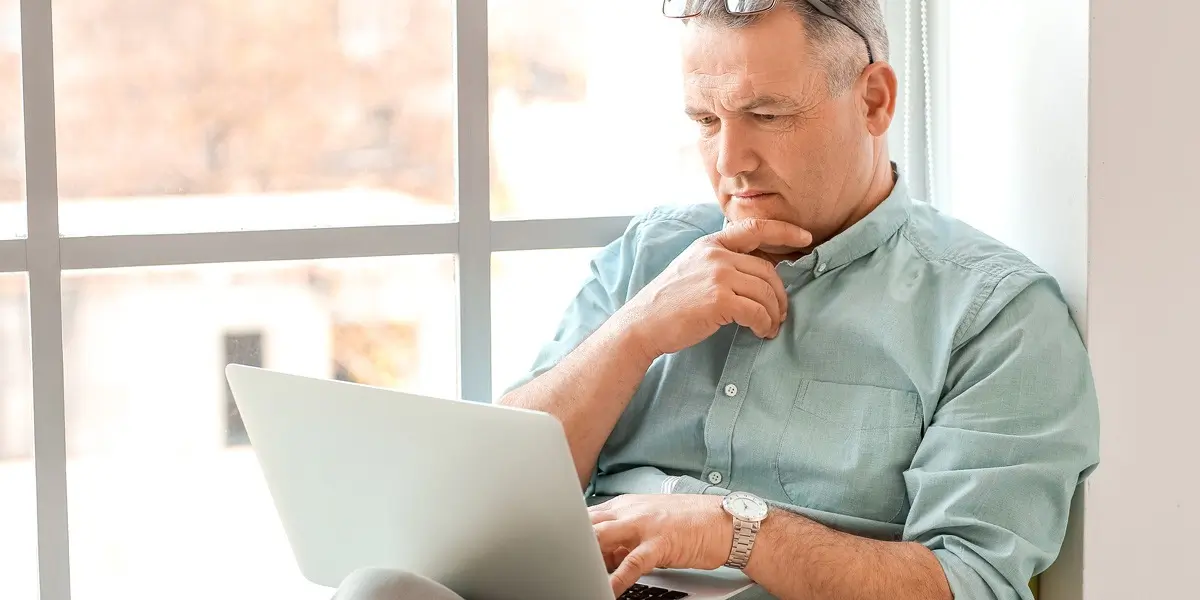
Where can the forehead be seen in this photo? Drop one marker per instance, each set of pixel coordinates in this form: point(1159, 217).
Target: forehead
point(768, 57)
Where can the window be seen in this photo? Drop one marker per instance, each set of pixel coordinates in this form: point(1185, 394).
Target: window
point(331, 188)
point(242, 349)
point(12, 129)
point(197, 115)
point(152, 435)
point(527, 305)
point(18, 544)
point(564, 120)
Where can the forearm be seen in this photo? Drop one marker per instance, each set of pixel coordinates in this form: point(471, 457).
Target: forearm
point(589, 389)
point(795, 558)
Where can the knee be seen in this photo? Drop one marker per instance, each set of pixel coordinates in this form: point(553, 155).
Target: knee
point(387, 584)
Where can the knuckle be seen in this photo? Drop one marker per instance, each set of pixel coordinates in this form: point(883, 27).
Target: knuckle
point(761, 313)
point(719, 294)
point(637, 561)
point(711, 242)
point(755, 225)
point(714, 277)
point(765, 287)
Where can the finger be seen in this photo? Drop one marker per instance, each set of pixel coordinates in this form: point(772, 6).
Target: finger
point(763, 269)
point(748, 313)
point(758, 290)
point(613, 559)
point(641, 561)
point(749, 235)
point(617, 534)
point(601, 516)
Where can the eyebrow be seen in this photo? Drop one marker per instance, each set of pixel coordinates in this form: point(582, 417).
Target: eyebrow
point(770, 100)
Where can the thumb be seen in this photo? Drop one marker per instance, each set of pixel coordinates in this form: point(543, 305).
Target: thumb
point(749, 235)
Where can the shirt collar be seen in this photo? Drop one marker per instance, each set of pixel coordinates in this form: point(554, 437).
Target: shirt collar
point(868, 234)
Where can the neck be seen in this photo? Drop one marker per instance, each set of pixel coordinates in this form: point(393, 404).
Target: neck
point(883, 181)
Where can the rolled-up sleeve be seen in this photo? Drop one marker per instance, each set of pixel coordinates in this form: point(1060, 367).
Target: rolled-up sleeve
point(1014, 433)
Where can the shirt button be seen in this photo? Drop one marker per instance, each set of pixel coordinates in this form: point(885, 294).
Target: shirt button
point(731, 391)
point(714, 478)
point(821, 267)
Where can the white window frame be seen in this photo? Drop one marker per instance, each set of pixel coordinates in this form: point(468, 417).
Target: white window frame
point(44, 254)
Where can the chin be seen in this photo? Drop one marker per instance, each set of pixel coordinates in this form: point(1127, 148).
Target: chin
point(735, 213)
point(759, 208)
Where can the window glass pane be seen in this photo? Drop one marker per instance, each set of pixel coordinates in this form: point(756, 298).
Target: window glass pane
point(18, 509)
point(220, 115)
point(12, 125)
point(527, 305)
point(164, 495)
point(587, 110)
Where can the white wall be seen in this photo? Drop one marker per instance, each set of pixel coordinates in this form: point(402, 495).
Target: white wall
point(1143, 513)
point(1066, 131)
point(1011, 119)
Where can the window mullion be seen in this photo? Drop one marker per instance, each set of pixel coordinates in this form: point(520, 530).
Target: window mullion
point(556, 234)
point(472, 178)
point(45, 300)
point(103, 252)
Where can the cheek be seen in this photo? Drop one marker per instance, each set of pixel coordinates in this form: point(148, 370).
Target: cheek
point(708, 151)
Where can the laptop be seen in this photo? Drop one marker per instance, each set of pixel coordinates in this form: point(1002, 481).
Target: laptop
point(481, 498)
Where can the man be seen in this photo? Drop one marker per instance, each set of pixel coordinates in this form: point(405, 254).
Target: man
point(909, 396)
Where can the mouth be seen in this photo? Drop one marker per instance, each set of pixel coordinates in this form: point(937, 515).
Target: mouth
point(750, 195)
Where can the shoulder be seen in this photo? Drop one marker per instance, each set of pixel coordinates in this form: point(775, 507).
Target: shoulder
point(696, 220)
point(992, 274)
point(942, 239)
point(648, 245)
point(654, 238)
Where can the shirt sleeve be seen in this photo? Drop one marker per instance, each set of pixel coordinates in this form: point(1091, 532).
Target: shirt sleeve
point(1014, 434)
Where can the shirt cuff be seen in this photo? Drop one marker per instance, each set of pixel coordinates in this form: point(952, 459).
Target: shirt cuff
point(966, 582)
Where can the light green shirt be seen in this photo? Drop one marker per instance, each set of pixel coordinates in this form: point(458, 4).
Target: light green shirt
point(929, 385)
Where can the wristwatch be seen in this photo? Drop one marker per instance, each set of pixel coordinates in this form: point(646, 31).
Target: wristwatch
point(748, 512)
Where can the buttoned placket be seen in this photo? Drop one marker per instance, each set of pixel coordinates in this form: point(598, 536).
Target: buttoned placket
point(734, 386)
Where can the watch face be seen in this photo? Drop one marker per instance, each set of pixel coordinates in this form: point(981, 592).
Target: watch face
point(746, 507)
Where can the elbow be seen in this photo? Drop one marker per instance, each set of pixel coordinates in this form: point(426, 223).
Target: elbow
point(972, 576)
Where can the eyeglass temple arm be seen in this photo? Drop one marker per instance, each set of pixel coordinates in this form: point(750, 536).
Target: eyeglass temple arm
point(832, 14)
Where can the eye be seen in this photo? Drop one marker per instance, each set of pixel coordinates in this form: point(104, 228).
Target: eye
point(706, 121)
point(765, 118)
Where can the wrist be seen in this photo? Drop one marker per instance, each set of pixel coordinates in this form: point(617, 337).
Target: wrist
point(721, 539)
point(628, 333)
point(747, 513)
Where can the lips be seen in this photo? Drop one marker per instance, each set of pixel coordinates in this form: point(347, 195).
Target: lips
point(749, 194)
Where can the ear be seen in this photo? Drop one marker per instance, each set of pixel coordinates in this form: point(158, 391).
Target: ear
point(878, 93)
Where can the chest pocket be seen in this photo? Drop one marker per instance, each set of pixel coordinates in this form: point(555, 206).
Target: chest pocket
point(844, 449)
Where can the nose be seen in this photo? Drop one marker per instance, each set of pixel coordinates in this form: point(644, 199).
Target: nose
point(735, 152)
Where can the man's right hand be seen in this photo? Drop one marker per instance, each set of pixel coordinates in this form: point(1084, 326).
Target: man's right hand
point(715, 282)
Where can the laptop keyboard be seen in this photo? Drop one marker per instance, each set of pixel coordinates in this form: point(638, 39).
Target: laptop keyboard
point(645, 592)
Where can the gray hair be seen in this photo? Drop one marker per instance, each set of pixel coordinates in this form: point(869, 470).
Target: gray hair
point(840, 49)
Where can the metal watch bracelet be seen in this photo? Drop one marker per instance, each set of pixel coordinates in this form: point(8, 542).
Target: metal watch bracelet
point(744, 534)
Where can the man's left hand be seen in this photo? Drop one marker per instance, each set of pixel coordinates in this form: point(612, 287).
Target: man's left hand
point(641, 533)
